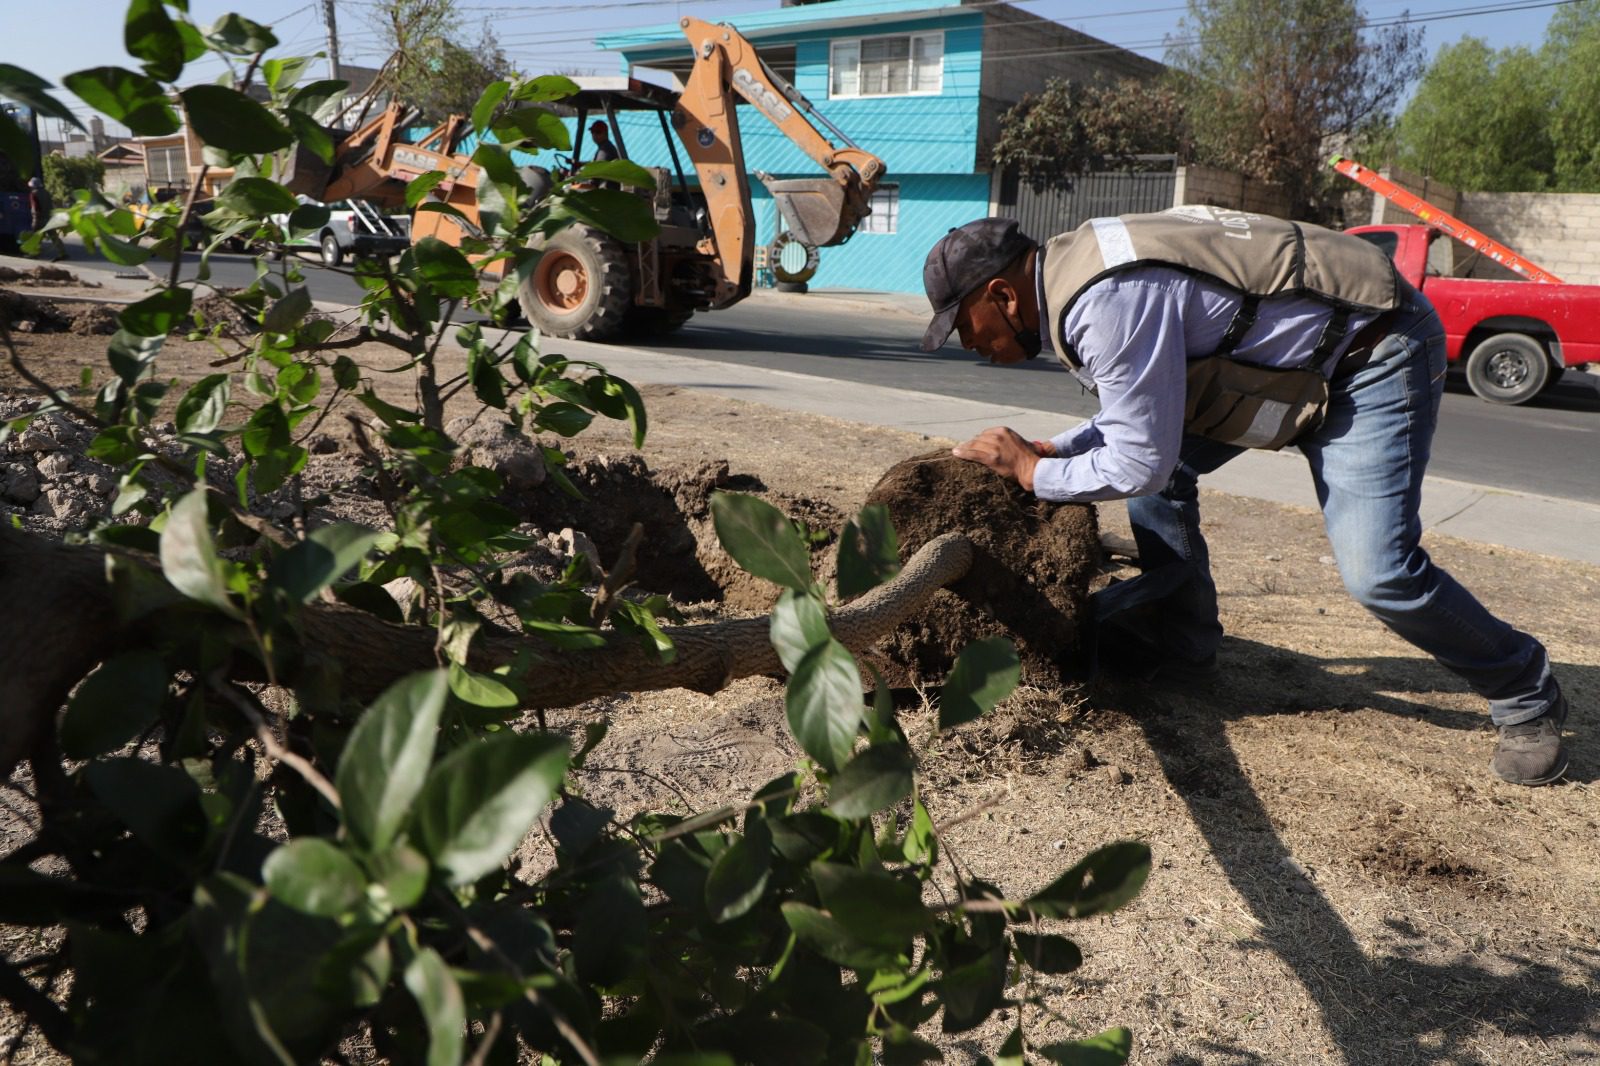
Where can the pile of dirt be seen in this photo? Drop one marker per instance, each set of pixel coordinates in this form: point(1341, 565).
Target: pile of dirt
point(1030, 573)
point(43, 276)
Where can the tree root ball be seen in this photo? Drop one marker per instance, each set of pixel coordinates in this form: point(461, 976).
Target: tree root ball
point(1029, 579)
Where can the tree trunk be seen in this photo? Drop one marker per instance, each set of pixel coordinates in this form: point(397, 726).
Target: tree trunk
point(62, 620)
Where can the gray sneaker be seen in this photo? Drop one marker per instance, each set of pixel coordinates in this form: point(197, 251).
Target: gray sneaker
point(1531, 752)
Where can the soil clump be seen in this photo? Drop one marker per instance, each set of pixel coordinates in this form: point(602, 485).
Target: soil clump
point(1030, 572)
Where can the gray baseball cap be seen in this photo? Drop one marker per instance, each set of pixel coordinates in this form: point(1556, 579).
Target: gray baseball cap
point(962, 260)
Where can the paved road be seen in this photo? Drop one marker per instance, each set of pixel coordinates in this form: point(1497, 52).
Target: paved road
point(1550, 447)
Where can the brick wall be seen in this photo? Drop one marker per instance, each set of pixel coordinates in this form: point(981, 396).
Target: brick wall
point(1223, 188)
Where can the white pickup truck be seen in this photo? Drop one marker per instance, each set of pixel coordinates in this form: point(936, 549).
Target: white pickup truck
point(355, 229)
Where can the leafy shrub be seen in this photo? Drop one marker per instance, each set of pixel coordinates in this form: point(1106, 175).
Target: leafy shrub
point(265, 879)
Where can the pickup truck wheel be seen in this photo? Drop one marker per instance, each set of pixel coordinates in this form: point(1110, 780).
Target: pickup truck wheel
point(1508, 368)
point(332, 254)
point(580, 288)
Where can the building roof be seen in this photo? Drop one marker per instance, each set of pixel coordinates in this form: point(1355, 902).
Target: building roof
point(836, 14)
point(123, 152)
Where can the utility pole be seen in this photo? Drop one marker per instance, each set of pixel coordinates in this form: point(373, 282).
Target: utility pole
point(330, 21)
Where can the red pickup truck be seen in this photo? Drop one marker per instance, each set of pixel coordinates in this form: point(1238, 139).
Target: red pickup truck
point(1516, 337)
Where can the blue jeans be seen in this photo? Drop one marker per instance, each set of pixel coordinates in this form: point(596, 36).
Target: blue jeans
point(1367, 460)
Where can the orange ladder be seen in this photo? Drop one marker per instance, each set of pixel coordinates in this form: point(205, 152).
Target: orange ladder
point(1478, 242)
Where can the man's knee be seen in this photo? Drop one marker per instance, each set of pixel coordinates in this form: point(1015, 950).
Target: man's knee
point(1384, 580)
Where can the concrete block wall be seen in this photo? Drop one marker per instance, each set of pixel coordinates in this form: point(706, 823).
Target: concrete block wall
point(1223, 188)
point(1558, 231)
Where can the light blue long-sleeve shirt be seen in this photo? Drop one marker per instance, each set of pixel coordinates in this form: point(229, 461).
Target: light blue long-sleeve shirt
point(1134, 332)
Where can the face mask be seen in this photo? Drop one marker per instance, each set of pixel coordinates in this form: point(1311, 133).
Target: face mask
point(1027, 339)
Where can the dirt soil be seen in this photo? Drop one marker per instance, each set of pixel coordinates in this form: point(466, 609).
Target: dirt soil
point(1338, 878)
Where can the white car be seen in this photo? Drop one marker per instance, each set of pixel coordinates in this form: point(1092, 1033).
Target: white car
point(355, 229)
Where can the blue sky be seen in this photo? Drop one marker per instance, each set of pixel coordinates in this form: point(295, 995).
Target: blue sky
point(558, 36)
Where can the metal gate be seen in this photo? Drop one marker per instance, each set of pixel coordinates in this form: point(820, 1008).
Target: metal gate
point(1045, 214)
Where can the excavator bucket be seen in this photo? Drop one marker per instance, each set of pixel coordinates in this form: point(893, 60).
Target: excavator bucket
point(816, 210)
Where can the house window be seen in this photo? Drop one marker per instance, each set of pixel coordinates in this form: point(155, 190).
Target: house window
point(904, 65)
point(885, 217)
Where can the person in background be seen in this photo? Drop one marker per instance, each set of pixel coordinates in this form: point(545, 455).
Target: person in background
point(40, 208)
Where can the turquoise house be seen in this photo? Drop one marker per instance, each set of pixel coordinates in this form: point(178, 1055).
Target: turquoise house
point(919, 83)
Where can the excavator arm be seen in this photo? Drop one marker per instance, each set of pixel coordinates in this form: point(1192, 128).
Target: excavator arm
point(821, 212)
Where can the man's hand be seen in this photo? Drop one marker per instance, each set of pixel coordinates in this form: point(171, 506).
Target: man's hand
point(1004, 451)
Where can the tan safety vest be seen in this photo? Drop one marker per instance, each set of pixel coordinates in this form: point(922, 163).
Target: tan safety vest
point(1257, 256)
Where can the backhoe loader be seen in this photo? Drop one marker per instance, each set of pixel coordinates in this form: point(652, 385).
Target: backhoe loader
point(589, 285)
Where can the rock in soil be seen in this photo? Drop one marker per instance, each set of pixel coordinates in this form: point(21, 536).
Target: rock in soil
point(1029, 578)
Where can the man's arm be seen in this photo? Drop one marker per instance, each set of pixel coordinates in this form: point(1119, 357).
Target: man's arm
point(1129, 333)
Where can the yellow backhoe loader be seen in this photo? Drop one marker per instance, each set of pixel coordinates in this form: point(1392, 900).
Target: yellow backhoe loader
point(589, 285)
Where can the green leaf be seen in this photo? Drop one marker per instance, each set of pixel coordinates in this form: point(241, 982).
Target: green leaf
point(1110, 1048)
point(481, 690)
point(738, 878)
point(799, 624)
point(985, 673)
point(285, 314)
point(315, 876)
point(761, 540)
point(309, 99)
point(149, 34)
point(189, 557)
point(1048, 953)
point(444, 1009)
point(627, 217)
point(824, 703)
point(829, 938)
point(16, 146)
point(622, 171)
point(325, 556)
point(487, 102)
point(386, 757)
point(29, 89)
point(254, 198)
point(202, 408)
point(157, 315)
point(879, 777)
point(545, 88)
point(160, 803)
point(307, 219)
point(388, 412)
point(921, 845)
point(227, 119)
point(274, 457)
point(281, 74)
point(480, 801)
point(114, 704)
point(972, 989)
point(138, 102)
point(874, 906)
point(869, 552)
point(237, 34)
point(1107, 879)
point(565, 419)
point(401, 873)
point(444, 268)
point(533, 127)
point(418, 188)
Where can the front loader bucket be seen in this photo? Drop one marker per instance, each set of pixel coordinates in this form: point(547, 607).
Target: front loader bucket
point(815, 210)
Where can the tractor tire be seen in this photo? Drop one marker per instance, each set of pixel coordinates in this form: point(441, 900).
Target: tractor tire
point(580, 289)
point(647, 322)
point(1508, 368)
point(332, 254)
